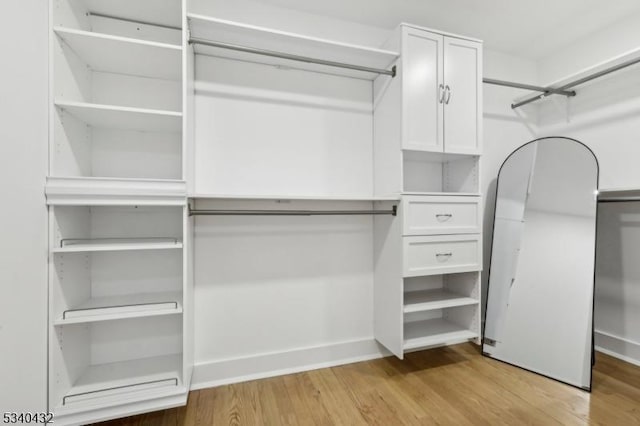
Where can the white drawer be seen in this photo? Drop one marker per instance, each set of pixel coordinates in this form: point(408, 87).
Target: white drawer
point(429, 215)
point(441, 255)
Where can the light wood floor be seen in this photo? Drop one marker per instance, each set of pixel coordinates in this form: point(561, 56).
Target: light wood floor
point(446, 386)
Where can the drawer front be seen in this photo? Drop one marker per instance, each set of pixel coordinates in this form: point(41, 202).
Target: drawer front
point(441, 255)
point(425, 215)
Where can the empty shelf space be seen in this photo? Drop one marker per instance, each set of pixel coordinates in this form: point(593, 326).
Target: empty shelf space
point(426, 300)
point(120, 378)
point(123, 118)
point(431, 332)
point(122, 55)
point(117, 244)
point(120, 307)
point(116, 191)
point(266, 39)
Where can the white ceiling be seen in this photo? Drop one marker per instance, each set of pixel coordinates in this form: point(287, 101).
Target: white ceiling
point(529, 28)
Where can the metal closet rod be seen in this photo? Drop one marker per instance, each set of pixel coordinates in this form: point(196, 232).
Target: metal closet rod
point(580, 81)
point(546, 91)
point(196, 212)
point(281, 55)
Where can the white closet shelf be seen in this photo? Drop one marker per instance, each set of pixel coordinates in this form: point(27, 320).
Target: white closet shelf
point(618, 194)
point(292, 197)
point(120, 380)
point(122, 55)
point(123, 118)
point(240, 34)
point(448, 194)
point(432, 332)
point(117, 244)
point(114, 191)
point(121, 307)
point(427, 300)
point(435, 157)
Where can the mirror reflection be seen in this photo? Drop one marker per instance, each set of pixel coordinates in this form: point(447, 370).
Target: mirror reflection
point(540, 298)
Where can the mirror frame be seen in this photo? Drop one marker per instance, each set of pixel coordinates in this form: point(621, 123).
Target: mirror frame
point(486, 301)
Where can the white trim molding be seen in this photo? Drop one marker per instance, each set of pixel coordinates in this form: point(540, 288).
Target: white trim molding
point(618, 347)
point(259, 366)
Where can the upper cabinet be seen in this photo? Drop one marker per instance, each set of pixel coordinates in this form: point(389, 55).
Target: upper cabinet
point(441, 92)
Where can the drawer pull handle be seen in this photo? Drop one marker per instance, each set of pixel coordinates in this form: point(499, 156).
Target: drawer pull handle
point(443, 217)
point(443, 257)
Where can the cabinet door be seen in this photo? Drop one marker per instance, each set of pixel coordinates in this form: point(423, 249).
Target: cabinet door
point(463, 98)
point(422, 127)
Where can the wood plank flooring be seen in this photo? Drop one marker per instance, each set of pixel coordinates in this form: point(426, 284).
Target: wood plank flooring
point(446, 386)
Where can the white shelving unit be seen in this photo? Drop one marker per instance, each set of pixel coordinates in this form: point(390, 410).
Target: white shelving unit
point(123, 173)
point(427, 148)
point(119, 276)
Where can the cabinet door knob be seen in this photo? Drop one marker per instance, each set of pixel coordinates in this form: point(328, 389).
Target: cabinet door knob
point(447, 90)
point(441, 92)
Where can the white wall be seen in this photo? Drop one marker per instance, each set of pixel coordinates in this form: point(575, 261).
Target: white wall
point(605, 116)
point(597, 47)
point(23, 219)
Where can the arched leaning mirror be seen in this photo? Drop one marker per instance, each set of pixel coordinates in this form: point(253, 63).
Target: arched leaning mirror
point(539, 313)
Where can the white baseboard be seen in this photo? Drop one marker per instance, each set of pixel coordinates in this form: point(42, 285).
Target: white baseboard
point(618, 347)
point(260, 366)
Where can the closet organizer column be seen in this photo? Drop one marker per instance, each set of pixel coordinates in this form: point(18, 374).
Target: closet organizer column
point(427, 148)
point(118, 220)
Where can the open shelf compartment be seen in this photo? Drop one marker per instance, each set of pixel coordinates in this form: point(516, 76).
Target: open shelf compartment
point(108, 380)
point(123, 55)
point(439, 327)
point(110, 285)
point(113, 228)
point(432, 332)
point(427, 173)
point(434, 292)
point(115, 362)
